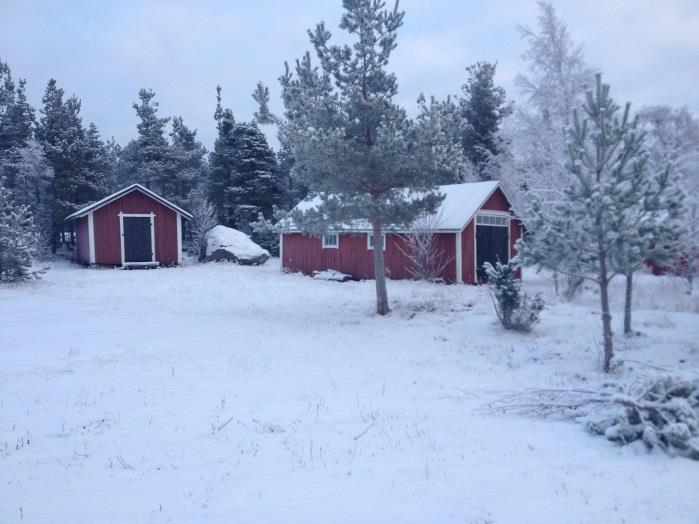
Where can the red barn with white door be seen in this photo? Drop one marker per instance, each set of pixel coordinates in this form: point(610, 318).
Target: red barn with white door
point(475, 225)
point(132, 227)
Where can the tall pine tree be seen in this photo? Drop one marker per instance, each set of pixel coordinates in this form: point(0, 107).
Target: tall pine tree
point(354, 147)
point(147, 156)
point(62, 137)
point(590, 232)
point(482, 110)
point(186, 162)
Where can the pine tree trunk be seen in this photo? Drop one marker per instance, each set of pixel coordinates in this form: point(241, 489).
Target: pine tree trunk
point(627, 304)
point(604, 299)
point(379, 269)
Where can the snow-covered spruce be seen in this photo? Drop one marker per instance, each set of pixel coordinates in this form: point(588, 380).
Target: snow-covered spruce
point(512, 306)
point(225, 243)
point(17, 239)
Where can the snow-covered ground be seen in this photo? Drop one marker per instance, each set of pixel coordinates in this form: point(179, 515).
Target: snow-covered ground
point(220, 393)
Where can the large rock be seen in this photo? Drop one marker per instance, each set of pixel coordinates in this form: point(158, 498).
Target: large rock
point(226, 243)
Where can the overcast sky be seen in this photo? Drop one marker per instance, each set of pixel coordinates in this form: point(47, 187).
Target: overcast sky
point(105, 51)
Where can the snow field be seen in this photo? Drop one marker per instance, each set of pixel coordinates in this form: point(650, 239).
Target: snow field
point(220, 393)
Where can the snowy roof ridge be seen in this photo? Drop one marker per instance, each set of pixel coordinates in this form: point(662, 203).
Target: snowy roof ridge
point(461, 202)
point(133, 187)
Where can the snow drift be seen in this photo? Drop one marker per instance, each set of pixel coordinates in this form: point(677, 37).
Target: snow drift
point(226, 243)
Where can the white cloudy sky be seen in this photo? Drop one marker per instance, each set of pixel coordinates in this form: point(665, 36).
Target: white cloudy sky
point(105, 51)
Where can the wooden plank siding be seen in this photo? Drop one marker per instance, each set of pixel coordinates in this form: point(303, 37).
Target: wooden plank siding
point(82, 241)
point(107, 233)
point(304, 253)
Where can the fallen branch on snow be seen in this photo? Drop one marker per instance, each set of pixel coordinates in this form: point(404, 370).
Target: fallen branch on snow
point(663, 413)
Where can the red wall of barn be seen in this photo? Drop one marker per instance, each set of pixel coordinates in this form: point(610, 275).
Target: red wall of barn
point(107, 233)
point(304, 253)
point(497, 202)
point(82, 241)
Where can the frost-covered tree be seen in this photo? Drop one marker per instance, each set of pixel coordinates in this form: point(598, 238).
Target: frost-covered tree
point(254, 186)
point(32, 187)
point(552, 85)
point(581, 233)
point(354, 147)
point(222, 162)
point(186, 161)
point(203, 221)
point(147, 156)
point(62, 137)
point(672, 140)
point(17, 238)
point(482, 109)
point(650, 230)
point(427, 260)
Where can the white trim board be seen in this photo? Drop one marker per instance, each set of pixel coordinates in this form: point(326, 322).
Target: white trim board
point(91, 236)
point(459, 269)
point(124, 263)
point(179, 239)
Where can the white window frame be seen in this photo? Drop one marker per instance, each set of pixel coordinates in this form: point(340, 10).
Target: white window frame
point(151, 215)
point(494, 218)
point(331, 246)
point(369, 236)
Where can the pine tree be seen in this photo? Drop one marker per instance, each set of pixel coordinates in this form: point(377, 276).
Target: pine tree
point(17, 238)
point(222, 162)
point(355, 148)
point(148, 155)
point(32, 187)
point(580, 233)
point(254, 185)
point(186, 161)
point(61, 134)
point(482, 110)
point(95, 181)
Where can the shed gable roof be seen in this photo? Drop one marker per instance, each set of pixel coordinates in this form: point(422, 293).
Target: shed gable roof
point(114, 196)
point(460, 203)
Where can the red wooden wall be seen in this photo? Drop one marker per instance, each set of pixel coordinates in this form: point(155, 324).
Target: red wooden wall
point(82, 241)
point(107, 234)
point(304, 253)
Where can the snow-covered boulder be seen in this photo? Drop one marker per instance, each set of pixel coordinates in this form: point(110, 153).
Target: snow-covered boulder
point(332, 275)
point(226, 243)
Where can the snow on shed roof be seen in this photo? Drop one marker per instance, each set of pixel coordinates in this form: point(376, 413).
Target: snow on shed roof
point(461, 201)
point(133, 187)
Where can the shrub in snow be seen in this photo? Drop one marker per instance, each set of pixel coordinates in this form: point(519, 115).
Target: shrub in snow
point(225, 243)
point(427, 260)
point(203, 221)
point(513, 308)
point(17, 239)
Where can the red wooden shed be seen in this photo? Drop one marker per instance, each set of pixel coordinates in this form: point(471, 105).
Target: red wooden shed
point(132, 227)
point(475, 225)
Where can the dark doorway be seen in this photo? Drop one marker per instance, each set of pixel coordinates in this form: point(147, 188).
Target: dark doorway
point(491, 246)
point(137, 239)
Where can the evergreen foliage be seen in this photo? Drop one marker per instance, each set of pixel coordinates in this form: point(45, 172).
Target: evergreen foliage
point(594, 226)
point(482, 110)
point(513, 308)
point(354, 147)
point(147, 156)
point(17, 239)
point(187, 165)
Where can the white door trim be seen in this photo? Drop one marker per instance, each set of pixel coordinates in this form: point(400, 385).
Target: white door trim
point(459, 273)
point(179, 239)
point(281, 249)
point(91, 236)
point(151, 215)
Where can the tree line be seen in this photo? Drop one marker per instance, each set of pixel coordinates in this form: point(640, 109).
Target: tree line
point(580, 169)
